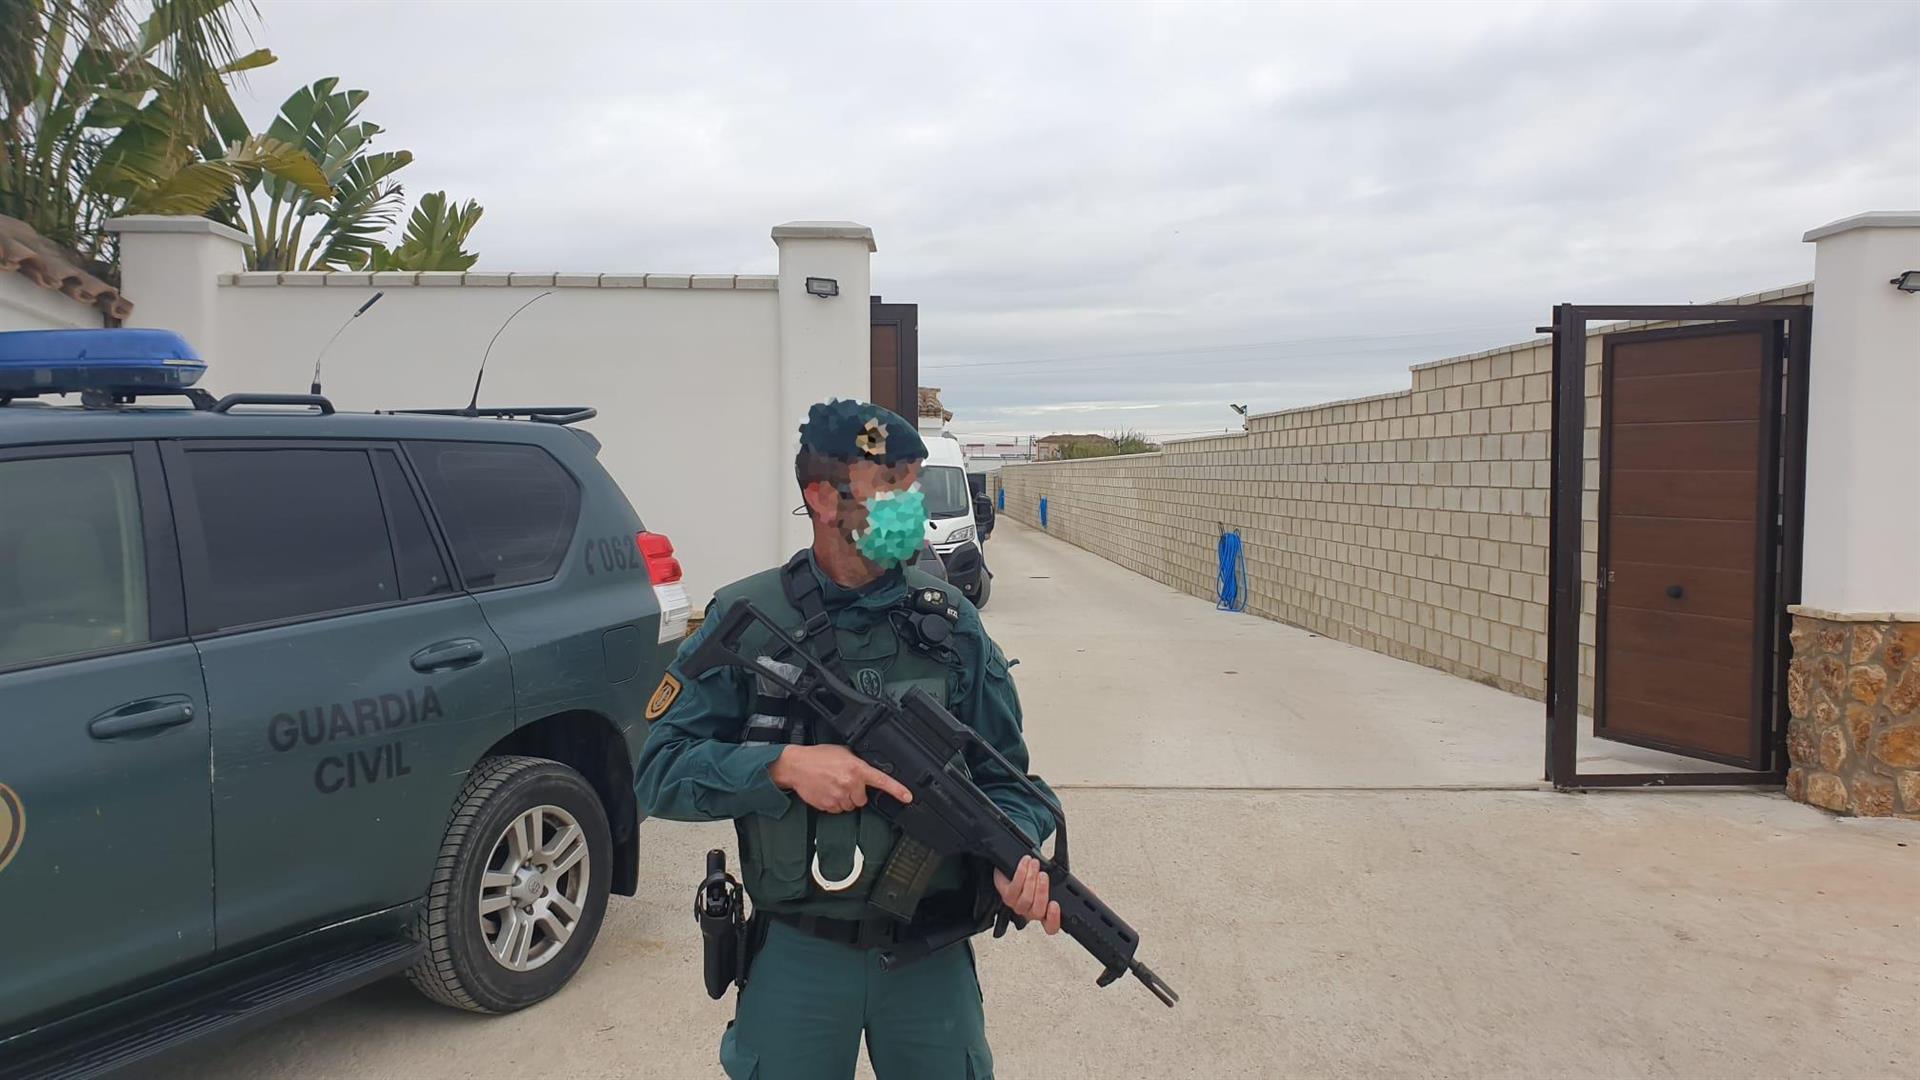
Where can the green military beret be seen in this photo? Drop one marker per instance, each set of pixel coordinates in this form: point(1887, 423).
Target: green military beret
point(859, 431)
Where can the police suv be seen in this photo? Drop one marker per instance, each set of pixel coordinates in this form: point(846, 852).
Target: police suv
point(293, 699)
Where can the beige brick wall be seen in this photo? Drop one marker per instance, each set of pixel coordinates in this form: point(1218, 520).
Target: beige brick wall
point(1414, 523)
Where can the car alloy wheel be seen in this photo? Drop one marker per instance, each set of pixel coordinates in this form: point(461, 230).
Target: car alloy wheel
point(534, 888)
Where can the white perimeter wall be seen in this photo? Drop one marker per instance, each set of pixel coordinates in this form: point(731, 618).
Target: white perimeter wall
point(26, 306)
point(691, 374)
point(677, 377)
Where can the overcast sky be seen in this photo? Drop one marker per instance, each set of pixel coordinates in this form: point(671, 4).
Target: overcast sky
point(1129, 216)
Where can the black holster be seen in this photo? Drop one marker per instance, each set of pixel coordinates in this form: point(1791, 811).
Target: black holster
point(728, 938)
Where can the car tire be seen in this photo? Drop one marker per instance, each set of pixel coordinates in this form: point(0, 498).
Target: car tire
point(986, 589)
point(519, 890)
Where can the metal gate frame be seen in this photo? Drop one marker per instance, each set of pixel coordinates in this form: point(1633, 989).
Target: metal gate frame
point(905, 319)
point(1791, 327)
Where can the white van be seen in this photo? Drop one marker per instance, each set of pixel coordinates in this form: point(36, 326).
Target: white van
point(951, 528)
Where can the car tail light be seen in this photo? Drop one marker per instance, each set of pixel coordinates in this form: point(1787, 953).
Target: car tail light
point(664, 571)
point(657, 550)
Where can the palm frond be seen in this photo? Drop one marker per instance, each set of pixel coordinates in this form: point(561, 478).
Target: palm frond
point(436, 232)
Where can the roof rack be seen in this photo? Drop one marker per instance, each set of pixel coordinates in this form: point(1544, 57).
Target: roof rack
point(315, 401)
point(547, 414)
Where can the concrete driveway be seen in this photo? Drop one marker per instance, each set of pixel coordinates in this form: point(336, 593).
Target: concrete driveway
point(1342, 863)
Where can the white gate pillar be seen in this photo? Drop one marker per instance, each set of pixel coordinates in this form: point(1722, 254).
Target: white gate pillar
point(825, 340)
point(1854, 687)
point(170, 268)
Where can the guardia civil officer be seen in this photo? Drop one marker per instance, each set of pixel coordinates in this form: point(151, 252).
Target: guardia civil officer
point(726, 745)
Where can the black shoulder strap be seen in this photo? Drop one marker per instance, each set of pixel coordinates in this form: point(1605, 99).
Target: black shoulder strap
point(802, 589)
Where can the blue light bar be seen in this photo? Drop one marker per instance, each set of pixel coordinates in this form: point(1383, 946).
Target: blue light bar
point(36, 362)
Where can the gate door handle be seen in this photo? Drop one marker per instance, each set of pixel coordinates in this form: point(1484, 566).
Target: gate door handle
point(459, 652)
point(151, 715)
point(1675, 592)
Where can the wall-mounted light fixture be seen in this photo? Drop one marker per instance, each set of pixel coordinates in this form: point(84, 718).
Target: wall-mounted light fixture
point(1908, 282)
point(823, 287)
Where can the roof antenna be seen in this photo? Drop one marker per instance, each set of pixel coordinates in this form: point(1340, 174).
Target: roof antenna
point(473, 403)
point(361, 310)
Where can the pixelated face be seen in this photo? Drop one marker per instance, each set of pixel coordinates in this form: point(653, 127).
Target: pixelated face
point(865, 479)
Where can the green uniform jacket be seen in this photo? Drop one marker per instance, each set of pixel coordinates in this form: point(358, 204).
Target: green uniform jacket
point(694, 766)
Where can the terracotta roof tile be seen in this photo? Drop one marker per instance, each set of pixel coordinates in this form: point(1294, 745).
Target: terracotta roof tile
point(42, 262)
point(930, 403)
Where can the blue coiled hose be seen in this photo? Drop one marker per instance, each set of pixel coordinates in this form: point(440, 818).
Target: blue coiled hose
point(1043, 511)
point(1233, 574)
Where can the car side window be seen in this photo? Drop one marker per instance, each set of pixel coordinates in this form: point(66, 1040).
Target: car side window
point(73, 573)
point(422, 571)
point(284, 534)
point(509, 510)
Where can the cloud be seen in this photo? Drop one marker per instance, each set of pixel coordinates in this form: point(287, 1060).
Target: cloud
point(1137, 186)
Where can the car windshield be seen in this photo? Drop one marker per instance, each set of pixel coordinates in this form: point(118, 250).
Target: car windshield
point(946, 490)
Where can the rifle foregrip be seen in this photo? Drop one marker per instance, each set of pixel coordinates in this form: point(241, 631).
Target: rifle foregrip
point(1088, 920)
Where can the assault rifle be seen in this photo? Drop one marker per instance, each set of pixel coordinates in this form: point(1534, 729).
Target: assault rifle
point(918, 742)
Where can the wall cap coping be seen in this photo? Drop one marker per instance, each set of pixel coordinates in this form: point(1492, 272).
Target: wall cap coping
point(1369, 399)
point(173, 223)
point(1853, 616)
point(497, 279)
point(1872, 219)
point(824, 230)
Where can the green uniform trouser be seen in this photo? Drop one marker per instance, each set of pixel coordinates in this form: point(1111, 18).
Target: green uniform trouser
point(807, 1001)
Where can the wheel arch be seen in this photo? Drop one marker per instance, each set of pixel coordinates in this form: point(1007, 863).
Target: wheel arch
point(588, 743)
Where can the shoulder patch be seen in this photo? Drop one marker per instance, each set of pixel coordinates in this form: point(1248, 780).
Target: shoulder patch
point(663, 697)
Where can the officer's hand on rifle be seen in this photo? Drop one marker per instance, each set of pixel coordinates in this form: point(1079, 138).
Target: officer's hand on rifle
point(830, 778)
point(1026, 894)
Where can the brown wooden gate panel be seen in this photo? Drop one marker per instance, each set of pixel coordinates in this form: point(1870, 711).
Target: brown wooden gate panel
point(894, 357)
point(884, 390)
point(1688, 473)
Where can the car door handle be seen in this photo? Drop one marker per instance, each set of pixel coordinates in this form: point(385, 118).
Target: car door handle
point(139, 716)
point(448, 654)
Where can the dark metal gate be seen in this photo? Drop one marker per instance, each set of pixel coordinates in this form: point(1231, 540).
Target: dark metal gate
point(1701, 474)
point(894, 357)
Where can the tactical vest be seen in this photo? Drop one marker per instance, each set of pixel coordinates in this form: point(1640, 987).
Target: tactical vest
point(777, 855)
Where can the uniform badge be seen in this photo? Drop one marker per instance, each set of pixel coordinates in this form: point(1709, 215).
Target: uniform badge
point(873, 440)
point(663, 697)
point(869, 680)
point(13, 824)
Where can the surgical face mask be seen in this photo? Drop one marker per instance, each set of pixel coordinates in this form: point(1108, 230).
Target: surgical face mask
point(896, 527)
